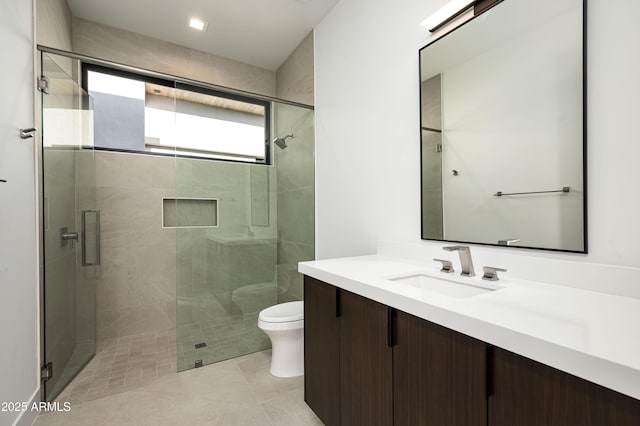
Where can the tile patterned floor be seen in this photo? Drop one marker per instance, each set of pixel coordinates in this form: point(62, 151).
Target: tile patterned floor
point(228, 327)
point(123, 364)
point(81, 354)
point(226, 337)
point(238, 391)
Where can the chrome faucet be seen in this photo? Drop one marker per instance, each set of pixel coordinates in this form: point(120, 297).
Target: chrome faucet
point(466, 263)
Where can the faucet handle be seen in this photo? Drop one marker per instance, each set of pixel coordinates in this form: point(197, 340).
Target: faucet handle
point(491, 273)
point(447, 266)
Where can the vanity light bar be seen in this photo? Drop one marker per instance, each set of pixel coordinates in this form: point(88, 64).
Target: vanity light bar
point(446, 14)
point(454, 9)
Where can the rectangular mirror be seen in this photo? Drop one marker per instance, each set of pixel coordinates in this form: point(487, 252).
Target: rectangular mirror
point(502, 125)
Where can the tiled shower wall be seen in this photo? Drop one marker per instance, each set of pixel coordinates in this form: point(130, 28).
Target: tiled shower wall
point(53, 24)
point(113, 44)
point(145, 267)
point(137, 280)
point(230, 184)
point(294, 78)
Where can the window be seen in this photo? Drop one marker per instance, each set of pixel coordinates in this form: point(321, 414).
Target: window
point(134, 113)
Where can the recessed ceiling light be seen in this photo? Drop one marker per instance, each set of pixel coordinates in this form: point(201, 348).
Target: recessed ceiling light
point(197, 23)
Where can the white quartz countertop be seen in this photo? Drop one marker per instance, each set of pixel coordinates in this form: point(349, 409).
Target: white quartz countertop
point(591, 335)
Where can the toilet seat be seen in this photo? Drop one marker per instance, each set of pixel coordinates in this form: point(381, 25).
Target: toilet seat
point(283, 326)
point(283, 313)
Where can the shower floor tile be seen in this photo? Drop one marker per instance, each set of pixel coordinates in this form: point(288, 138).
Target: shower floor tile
point(226, 336)
point(239, 391)
point(123, 364)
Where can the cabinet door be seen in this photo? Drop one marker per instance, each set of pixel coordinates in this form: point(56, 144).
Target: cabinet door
point(438, 374)
point(321, 351)
point(527, 393)
point(366, 382)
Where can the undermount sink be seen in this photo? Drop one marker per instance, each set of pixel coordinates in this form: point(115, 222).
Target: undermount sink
point(444, 286)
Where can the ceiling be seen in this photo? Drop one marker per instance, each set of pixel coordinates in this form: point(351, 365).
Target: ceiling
point(257, 32)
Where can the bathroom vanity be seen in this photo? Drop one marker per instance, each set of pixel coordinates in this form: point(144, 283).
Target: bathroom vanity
point(383, 348)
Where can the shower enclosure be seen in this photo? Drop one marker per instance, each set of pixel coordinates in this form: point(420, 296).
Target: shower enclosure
point(160, 254)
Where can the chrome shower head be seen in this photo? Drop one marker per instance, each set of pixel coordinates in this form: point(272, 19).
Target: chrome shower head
point(282, 142)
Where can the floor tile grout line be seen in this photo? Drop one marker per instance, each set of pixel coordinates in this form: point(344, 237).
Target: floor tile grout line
point(255, 396)
point(120, 349)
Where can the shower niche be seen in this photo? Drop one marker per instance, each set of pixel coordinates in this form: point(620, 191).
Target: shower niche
point(189, 212)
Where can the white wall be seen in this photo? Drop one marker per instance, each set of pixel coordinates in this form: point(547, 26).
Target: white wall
point(367, 125)
point(367, 121)
point(18, 264)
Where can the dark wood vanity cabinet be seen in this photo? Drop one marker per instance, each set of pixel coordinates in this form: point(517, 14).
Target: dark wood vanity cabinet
point(527, 393)
point(368, 364)
point(438, 375)
point(348, 376)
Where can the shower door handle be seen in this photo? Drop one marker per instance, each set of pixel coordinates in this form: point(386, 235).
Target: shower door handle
point(65, 236)
point(96, 238)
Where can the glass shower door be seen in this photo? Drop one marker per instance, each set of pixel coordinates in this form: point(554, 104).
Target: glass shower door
point(226, 260)
point(71, 225)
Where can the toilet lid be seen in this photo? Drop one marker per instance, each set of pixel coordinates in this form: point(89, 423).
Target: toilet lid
point(283, 312)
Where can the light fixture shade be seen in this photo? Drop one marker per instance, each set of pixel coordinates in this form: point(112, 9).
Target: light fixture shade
point(197, 23)
point(449, 10)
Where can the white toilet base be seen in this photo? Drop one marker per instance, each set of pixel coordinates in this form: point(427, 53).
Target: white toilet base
point(287, 352)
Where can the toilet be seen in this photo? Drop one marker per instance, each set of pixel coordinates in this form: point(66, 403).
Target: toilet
point(284, 324)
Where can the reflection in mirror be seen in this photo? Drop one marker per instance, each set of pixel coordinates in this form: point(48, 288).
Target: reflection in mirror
point(502, 128)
